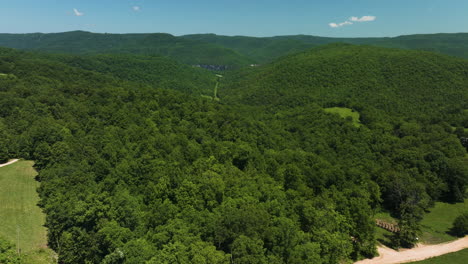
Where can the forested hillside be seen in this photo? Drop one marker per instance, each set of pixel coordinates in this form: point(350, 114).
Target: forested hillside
point(133, 171)
point(159, 44)
point(150, 70)
point(211, 49)
point(390, 82)
point(268, 48)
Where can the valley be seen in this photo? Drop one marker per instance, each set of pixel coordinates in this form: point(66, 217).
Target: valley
point(143, 158)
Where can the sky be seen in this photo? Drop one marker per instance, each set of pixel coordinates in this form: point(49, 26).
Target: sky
point(332, 18)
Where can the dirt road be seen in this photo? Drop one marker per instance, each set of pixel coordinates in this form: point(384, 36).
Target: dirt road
point(421, 252)
point(8, 163)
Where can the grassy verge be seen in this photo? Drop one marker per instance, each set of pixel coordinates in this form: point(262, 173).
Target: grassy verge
point(345, 113)
point(460, 257)
point(22, 219)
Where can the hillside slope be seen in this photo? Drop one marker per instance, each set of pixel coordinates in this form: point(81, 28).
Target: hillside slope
point(268, 48)
point(135, 174)
point(80, 42)
point(399, 82)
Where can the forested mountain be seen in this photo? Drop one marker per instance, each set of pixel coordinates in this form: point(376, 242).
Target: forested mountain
point(408, 84)
point(150, 70)
point(81, 42)
point(211, 49)
point(268, 48)
point(136, 171)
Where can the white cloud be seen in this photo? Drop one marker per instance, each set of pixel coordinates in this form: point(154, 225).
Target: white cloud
point(363, 19)
point(354, 19)
point(136, 8)
point(335, 25)
point(77, 13)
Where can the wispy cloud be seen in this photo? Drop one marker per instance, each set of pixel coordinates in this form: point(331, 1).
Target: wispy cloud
point(136, 8)
point(335, 25)
point(77, 13)
point(363, 19)
point(353, 19)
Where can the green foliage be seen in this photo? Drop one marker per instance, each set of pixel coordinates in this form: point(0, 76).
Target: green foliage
point(133, 173)
point(8, 254)
point(268, 48)
point(22, 220)
point(348, 114)
point(378, 83)
point(436, 224)
point(81, 42)
point(460, 225)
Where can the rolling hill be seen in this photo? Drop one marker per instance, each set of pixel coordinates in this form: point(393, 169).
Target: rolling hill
point(211, 49)
point(397, 82)
point(268, 48)
point(81, 42)
point(290, 166)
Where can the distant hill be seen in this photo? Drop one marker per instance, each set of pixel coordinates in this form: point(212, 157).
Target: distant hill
point(264, 49)
point(406, 83)
point(215, 50)
point(81, 42)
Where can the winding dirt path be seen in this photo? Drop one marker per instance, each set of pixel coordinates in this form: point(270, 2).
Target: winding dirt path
point(421, 252)
point(8, 163)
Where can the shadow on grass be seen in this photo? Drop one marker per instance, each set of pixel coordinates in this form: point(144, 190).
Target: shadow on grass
point(387, 241)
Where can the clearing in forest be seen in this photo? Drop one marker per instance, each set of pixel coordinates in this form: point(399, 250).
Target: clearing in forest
point(22, 220)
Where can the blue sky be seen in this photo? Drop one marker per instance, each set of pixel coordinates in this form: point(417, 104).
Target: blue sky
point(351, 18)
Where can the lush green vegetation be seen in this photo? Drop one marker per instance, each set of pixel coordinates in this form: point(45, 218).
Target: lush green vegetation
point(80, 42)
point(460, 224)
point(436, 225)
point(21, 218)
point(150, 70)
point(265, 49)
point(459, 257)
point(408, 84)
point(210, 49)
point(133, 171)
point(22, 221)
point(345, 113)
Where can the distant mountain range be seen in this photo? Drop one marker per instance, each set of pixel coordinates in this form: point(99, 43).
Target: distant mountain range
point(211, 49)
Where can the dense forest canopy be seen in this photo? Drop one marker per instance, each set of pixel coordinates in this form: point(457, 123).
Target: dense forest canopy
point(137, 170)
point(81, 42)
point(211, 49)
point(410, 84)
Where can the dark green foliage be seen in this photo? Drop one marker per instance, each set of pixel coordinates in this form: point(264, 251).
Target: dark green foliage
point(460, 225)
point(81, 42)
point(266, 49)
point(134, 173)
point(210, 49)
point(408, 84)
point(8, 254)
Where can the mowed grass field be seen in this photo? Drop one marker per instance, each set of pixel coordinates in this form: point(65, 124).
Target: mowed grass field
point(21, 219)
point(435, 226)
point(438, 222)
point(460, 257)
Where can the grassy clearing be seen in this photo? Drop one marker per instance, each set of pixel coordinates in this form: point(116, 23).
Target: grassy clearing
point(435, 225)
point(22, 219)
point(345, 113)
point(438, 221)
point(460, 257)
